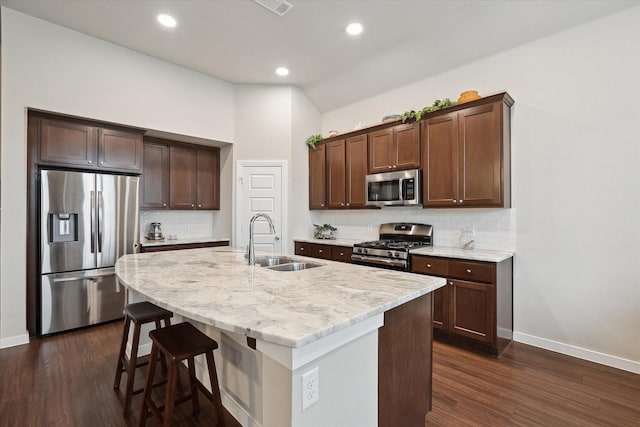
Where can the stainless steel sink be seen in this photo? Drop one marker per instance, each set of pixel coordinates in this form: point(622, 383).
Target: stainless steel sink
point(269, 261)
point(294, 266)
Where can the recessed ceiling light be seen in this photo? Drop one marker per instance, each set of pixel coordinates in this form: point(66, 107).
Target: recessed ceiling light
point(167, 20)
point(354, 28)
point(282, 71)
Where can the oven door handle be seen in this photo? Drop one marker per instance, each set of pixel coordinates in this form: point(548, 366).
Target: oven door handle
point(379, 261)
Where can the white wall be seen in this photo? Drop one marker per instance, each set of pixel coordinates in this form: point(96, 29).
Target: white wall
point(263, 122)
point(272, 123)
point(262, 132)
point(48, 67)
point(575, 156)
point(305, 122)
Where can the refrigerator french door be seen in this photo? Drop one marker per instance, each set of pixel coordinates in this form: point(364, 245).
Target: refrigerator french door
point(87, 221)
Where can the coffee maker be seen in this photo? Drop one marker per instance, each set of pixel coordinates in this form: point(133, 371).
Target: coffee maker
point(154, 231)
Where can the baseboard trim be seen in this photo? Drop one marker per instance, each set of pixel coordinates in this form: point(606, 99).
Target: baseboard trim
point(14, 341)
point(579, 352)
point(238, 412)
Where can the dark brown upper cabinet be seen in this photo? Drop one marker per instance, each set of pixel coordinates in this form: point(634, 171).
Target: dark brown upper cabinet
point(208, 178)
point(356, 171)
point(194, 178)
point(466, 156)
point(345, 170)
point(155, 176)
point(317, 177)
point(394, 148)
point(65, 142)
point(119, 150)
point(180, 176)
point(336, 160)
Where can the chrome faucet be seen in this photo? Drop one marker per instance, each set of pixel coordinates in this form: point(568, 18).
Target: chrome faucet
point(250, 255)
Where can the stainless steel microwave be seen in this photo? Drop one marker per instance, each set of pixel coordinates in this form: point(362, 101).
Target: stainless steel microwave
point(398, 188)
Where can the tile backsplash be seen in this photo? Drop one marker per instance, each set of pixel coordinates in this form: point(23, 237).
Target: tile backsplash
point(493, 228)
point(184, 224)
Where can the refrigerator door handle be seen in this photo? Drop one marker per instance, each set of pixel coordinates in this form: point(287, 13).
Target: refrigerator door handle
point(70, 279)
point(93, 224)
point(100, 217)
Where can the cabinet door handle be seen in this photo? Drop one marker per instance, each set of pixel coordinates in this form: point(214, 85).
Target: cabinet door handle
point(199, 206)
point(347, 204)
point(459, 201)
point(469, 270)
point(390, 166)
point(192, 205)
point(319, 251)
point(428, 265)
point(341, 204)
point(341, 253)
point(89, 162)
point(455, 201)
point(164, 205)
point(102, 163)
point(451, 283)
point(301, 249)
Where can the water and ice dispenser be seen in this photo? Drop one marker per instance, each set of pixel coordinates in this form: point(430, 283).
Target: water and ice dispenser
point(63, 227)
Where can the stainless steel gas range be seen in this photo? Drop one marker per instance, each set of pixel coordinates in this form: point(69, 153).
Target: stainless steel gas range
point(392, 249)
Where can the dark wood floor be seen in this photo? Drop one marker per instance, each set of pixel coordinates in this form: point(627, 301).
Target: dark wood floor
point(66, 380)
point(529, 386)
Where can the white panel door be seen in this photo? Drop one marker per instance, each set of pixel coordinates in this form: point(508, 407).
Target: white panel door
point(260, 191)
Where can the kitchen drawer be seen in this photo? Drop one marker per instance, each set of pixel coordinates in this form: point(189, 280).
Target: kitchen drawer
point(474, 271)
point(341, 253)
point(317, 250)
point(429, 265)
point(321, 251)
point(304, 249)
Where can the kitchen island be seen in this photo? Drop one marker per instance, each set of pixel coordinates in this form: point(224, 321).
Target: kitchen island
point(367, 331)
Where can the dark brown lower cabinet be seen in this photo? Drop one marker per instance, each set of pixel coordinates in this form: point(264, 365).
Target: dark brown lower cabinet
point(475, 308)
point(404, 364)
point(162, 248)
point(318, 250)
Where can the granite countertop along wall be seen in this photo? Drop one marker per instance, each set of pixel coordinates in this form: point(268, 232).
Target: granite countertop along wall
point(437, 251)
point(215, 286)
point(181, 241)
point(334, 242)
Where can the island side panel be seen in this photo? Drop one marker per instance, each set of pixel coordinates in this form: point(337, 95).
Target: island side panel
point(404, 364)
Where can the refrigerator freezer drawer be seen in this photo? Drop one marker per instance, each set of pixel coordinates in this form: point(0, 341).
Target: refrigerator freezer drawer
point(80, 298)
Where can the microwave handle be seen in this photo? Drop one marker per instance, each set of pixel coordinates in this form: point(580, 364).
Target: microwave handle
point(401, 193)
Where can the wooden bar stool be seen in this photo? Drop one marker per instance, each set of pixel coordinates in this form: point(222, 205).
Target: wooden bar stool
point(139, 313)
point(177, 343)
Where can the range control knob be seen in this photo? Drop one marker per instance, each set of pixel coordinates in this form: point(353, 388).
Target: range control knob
point(390, 254)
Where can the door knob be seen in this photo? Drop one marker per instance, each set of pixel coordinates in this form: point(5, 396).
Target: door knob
point(276, 237)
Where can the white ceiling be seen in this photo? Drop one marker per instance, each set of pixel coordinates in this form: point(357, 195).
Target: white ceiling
point(241, 42)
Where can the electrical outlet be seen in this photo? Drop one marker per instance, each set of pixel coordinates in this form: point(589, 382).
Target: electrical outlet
point(310, 388)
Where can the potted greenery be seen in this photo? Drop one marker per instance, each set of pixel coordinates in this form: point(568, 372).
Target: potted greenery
point(417, 115)
point(325, 231)
point(313, 140)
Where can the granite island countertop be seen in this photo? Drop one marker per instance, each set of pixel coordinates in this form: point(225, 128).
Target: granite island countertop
point(215, 286)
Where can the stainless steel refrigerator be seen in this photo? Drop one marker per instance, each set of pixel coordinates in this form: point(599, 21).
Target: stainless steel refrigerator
point(87, 221)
